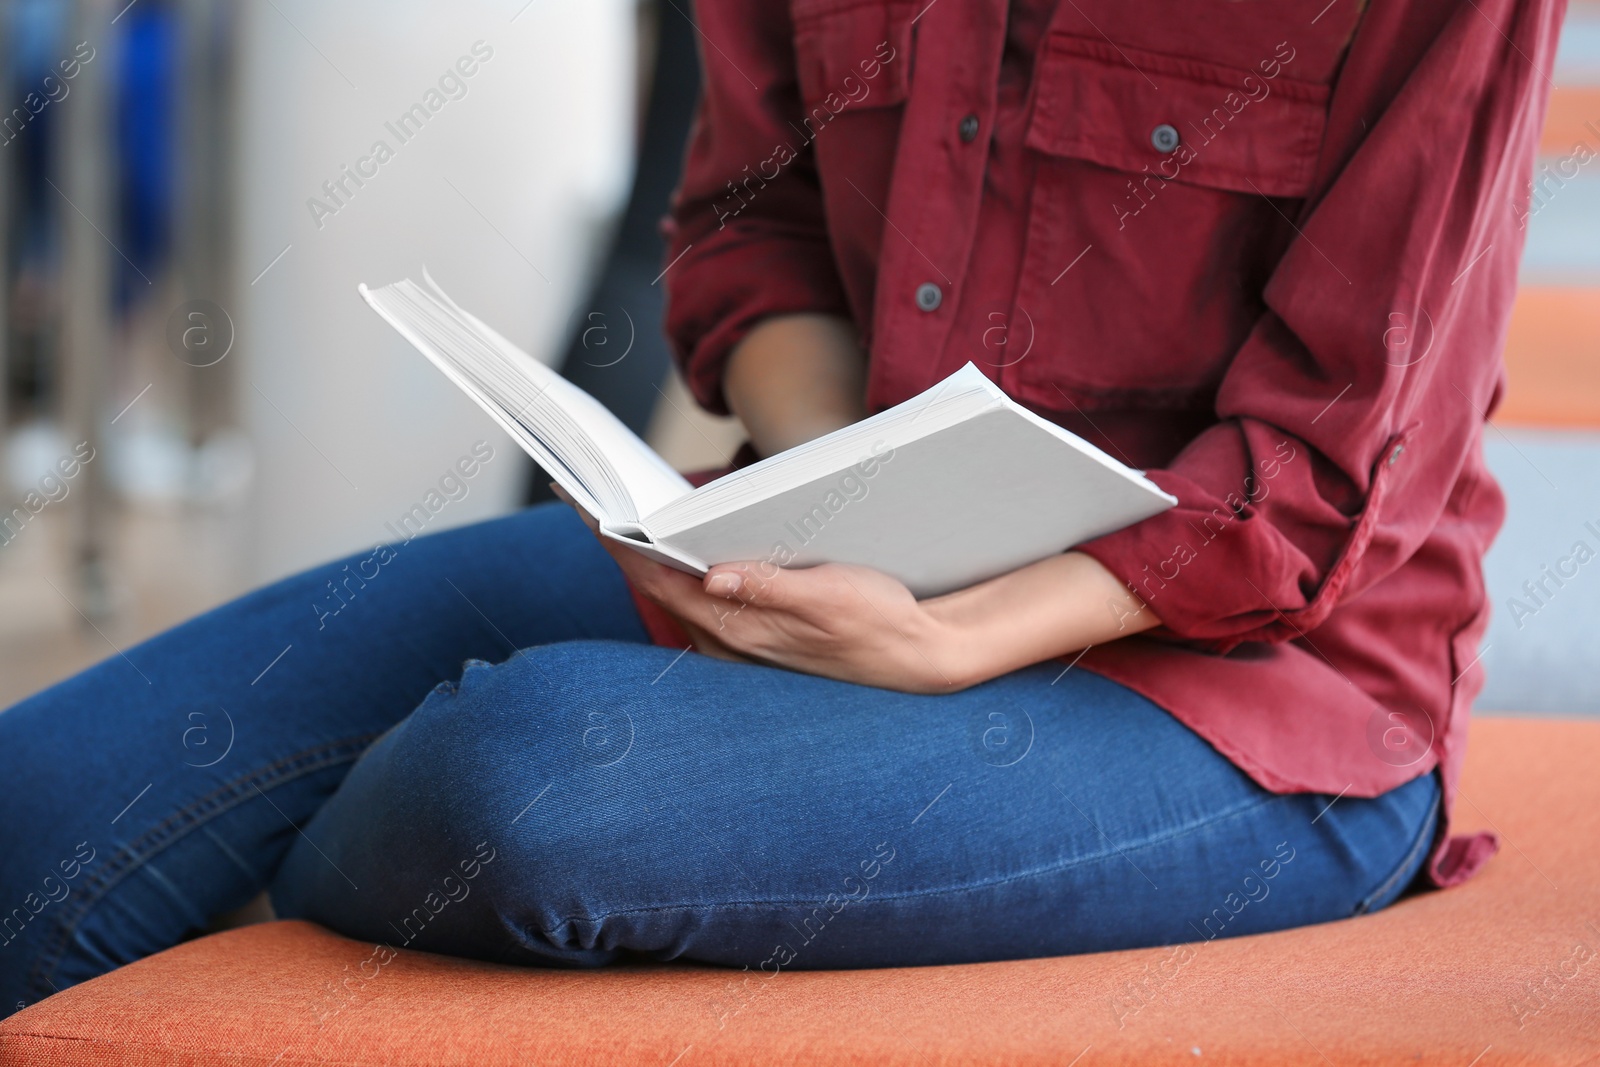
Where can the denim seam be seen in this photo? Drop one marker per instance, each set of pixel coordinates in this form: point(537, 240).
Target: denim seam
point(133, 855)
point(946, 890)
point(1425, 835)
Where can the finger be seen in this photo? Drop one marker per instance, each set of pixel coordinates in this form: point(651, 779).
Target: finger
point(676, 592)
point(680, 595)
point(726, 619)
point(774, 588)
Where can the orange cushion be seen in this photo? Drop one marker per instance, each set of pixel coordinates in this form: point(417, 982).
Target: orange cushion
point(1572, 120)
point(1552, 376)
point(1505, 969)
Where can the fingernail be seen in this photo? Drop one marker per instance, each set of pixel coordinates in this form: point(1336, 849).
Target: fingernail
point(724, 584)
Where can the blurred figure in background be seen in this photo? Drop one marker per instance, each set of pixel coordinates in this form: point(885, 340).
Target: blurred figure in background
point(625, 306)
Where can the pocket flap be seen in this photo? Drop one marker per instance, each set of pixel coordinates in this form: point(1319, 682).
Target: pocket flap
point(1187, 120)
point(858, 55)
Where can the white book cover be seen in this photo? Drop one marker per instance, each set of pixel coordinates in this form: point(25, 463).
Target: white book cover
point(952, 487)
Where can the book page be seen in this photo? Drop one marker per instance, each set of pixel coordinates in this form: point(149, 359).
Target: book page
point(650, 480)
point(589, 452)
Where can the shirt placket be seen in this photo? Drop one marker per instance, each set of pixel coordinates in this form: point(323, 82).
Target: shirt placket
point(934, 193)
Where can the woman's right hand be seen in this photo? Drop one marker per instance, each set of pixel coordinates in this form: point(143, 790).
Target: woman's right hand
point(796, 377)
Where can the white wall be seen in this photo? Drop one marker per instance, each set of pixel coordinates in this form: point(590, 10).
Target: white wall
point(351, 427)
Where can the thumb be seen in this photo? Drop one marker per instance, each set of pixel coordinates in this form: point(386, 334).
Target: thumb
point(757, 584)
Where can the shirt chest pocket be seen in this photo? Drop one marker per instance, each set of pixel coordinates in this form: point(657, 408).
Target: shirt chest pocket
point(1253, 130)
point(851, 56)
point(1175, 180)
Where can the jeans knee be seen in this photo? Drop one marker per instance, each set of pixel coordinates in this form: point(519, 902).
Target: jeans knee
point(485, 810)
point(554, 729)
point(546, 712)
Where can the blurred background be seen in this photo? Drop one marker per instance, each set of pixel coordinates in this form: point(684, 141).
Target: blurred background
point(194, 400)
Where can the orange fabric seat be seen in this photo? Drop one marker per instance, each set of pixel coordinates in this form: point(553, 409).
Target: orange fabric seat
point(1502, 970)
point(1553, 379)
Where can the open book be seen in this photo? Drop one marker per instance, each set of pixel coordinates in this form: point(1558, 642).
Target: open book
point(951, 487)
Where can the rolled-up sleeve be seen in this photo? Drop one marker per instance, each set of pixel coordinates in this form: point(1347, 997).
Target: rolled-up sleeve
point(1349, 412)
point(746, 233)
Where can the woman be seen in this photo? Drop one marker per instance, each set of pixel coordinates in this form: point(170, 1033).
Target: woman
point(1266, 252)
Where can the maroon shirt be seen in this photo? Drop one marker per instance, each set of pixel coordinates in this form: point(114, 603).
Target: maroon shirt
point(1265, 251)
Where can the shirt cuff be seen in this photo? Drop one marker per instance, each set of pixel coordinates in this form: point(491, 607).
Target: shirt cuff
point(1193, 565)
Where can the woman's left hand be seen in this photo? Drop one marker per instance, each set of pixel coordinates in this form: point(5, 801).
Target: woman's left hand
point(846, 622)
point(851, 623)
point(856, 624)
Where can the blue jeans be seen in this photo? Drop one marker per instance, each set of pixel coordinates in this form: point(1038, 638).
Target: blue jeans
point(464, 744)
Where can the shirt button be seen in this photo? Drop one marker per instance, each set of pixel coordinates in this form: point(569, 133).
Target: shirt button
point(1396, 454)
point(1164, 137)
point(929, 296)
point(968, 129)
